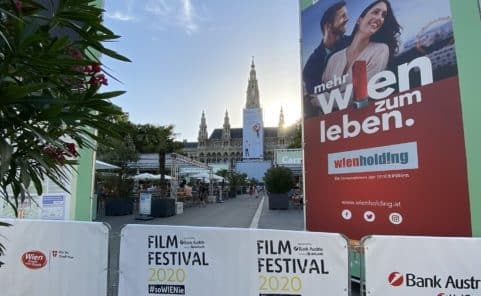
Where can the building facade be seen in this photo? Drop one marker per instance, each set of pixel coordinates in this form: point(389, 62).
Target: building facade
point(253, 141)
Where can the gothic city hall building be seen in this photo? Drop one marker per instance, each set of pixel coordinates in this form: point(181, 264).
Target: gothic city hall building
point(253, 141)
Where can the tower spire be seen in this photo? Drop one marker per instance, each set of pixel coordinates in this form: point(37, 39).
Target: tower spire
point(252, 98)
point(202, 138)
point(226, 130)
point(281, 119)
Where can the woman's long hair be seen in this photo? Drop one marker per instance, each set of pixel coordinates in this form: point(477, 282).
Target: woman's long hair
point(389, 31)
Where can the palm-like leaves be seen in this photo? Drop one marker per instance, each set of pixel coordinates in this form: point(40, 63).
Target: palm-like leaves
point(2, 248)
point(49, 96)
point(150, 138)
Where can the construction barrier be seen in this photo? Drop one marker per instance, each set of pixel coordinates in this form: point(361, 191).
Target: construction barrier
point(54, 258)
point(410, 265)
point(201, 261)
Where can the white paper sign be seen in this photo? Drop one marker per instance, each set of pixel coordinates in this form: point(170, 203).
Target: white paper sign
point(54, 258)
point(401, 265)
point(180, 260)
point(53, 207)
point(145, 203)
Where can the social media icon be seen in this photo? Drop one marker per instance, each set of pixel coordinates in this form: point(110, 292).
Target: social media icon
point(346, 214)
point(369, 216)
point(395, 218)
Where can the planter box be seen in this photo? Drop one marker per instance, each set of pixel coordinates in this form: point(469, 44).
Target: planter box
point(278, 201)
point(118, 207)
point(164, 207)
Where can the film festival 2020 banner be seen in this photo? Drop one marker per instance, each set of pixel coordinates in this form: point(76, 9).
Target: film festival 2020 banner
point(183, 260)
point(384, 142)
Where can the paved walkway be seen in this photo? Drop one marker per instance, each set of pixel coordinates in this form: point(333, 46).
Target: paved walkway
point(242, 211)
point(234, 212)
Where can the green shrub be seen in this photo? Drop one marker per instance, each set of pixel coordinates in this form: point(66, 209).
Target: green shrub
point(279, 179)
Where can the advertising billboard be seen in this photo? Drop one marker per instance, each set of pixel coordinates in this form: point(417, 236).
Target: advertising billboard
point(383, 127)
point(253, 134)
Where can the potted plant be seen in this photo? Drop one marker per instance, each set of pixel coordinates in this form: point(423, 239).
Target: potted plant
point(278, 180)
point(119, 195)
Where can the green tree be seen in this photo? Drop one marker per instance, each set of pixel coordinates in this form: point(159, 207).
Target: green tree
point(156, 139)
point(50, 104)
point(234, 178)
point(120, 152)
point(297, 140)
point(223, 173)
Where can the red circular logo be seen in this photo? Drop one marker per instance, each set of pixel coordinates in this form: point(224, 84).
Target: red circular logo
point(395, 279)
point(34, 259)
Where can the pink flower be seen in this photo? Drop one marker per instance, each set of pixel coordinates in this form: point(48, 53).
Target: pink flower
point(96, 68)
point(18, 5)
point(98, 80)
point(76, 54)
point(71, 149)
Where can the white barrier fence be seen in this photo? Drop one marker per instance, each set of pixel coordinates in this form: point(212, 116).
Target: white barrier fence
point(54, 258)
point(407, 265)
point(50, 258)
point(156, 260)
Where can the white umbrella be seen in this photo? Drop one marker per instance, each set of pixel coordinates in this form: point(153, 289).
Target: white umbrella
point(206, 177)
point(167, 177)
point(148, 176)
point(100, 165)
point(144, 176)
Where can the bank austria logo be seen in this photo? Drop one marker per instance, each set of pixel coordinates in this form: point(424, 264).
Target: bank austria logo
point(411, 280)
point(395, 279)
point(34, 259)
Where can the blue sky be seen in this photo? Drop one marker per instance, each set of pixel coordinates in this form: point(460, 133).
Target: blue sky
point(194, 55)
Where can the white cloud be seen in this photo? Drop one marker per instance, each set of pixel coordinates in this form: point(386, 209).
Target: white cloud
point(179, 13)
point(158, 8)
point(123, 15)
point(188, 17)
point(119, 16)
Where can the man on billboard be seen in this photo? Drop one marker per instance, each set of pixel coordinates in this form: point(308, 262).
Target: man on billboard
point(333, 26)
